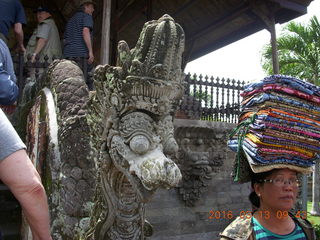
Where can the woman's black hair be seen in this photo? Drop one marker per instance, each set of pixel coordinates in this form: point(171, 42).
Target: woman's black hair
point(257, 178)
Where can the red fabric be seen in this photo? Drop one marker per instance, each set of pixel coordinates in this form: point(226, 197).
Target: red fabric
point(280, 88)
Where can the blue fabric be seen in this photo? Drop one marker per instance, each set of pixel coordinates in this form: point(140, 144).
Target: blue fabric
point(6, 60)
point(260, 160)
point(304, 125)
point(292, 82)
point(11, 12)
point(260, 125)
point(270, 139)
point(8, 89)
point(252, 150)
point(260, 98)
point(74, 44)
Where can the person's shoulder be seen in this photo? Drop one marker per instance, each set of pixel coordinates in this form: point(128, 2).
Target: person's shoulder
point(305, 225)
point(17, 4)
point(302, 221)
point(239, 229)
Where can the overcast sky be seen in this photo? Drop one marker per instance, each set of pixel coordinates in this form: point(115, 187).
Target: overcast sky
point(241, 60)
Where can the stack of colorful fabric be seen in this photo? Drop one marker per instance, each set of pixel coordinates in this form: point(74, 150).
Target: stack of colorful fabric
point(279, 125)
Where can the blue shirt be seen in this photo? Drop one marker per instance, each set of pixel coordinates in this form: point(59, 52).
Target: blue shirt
point(11, 12)
point(8, 89)
point(74, 44)
point(6, 60)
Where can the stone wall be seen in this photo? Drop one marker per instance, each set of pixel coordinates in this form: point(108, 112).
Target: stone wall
point(168, 212)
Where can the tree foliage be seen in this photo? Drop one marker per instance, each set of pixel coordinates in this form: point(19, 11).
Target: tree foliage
point(298, 51)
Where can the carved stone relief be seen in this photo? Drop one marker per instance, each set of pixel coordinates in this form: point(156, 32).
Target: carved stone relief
point(199, 157)
point(115, 145)
point(136, 101)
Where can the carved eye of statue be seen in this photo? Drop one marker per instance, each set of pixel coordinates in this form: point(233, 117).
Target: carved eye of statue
point(139, 144)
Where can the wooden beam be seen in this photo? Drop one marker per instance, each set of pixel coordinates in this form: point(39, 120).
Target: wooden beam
point(275, 59)
point(183, 8)
point(134, 17)
point(105, 32)
point(149, 10)
point(122, 10)
point(266, 12)
point(222, 20)
point(291, 6)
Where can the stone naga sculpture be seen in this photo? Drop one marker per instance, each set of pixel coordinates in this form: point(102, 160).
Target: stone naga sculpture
point(132, 111)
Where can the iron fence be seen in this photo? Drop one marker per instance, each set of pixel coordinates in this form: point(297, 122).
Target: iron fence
point(206, 98)
point(212, 99)
point(25, 68)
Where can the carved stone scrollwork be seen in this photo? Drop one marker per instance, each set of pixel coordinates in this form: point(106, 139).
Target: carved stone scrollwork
point(136, 101)
point(199, 157)
point(124, 140)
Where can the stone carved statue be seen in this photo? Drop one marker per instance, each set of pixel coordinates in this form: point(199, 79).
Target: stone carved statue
point(108, 151)
point(135, 101)
point(199, 157)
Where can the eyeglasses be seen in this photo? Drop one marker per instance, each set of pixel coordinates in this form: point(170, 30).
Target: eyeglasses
point(280, 182)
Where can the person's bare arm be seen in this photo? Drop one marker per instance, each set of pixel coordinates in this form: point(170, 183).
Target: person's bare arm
point(18, 173)
point(87, 40)
point(19, 35)
point(41, 42)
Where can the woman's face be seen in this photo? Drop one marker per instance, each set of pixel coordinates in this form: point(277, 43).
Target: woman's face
point(279, 192)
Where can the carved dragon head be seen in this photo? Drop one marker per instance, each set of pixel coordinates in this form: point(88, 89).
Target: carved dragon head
point(139, 96)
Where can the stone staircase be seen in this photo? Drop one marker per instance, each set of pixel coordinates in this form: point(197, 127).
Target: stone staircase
point(10, 215)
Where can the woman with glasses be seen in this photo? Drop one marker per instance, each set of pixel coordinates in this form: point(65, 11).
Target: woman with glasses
point(274, 195)
point(276, 138)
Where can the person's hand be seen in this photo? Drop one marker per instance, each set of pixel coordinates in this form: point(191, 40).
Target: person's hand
point(33, 58)
point(20, 48)
point(91, 58)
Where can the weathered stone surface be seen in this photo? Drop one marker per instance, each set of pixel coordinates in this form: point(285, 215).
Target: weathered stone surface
point(113, 149)
point(166, 213)
point(117, 146)
point(136, 101)
point(73, 175)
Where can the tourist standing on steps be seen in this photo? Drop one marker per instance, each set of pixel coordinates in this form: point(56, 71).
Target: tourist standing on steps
point(45, 40)
point(77, 39)
point(12, 15)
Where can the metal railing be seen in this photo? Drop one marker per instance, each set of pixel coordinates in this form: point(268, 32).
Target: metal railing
point(212, 99)
point(24, 68)
point(206, 98)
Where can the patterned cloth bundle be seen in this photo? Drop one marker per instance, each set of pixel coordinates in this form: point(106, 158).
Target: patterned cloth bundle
point(279, 127)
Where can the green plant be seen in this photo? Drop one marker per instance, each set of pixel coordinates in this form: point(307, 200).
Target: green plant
point(317, 230)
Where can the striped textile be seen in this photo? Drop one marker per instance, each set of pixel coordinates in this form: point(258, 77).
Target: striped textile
point(279, 124)
point(262, 233)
